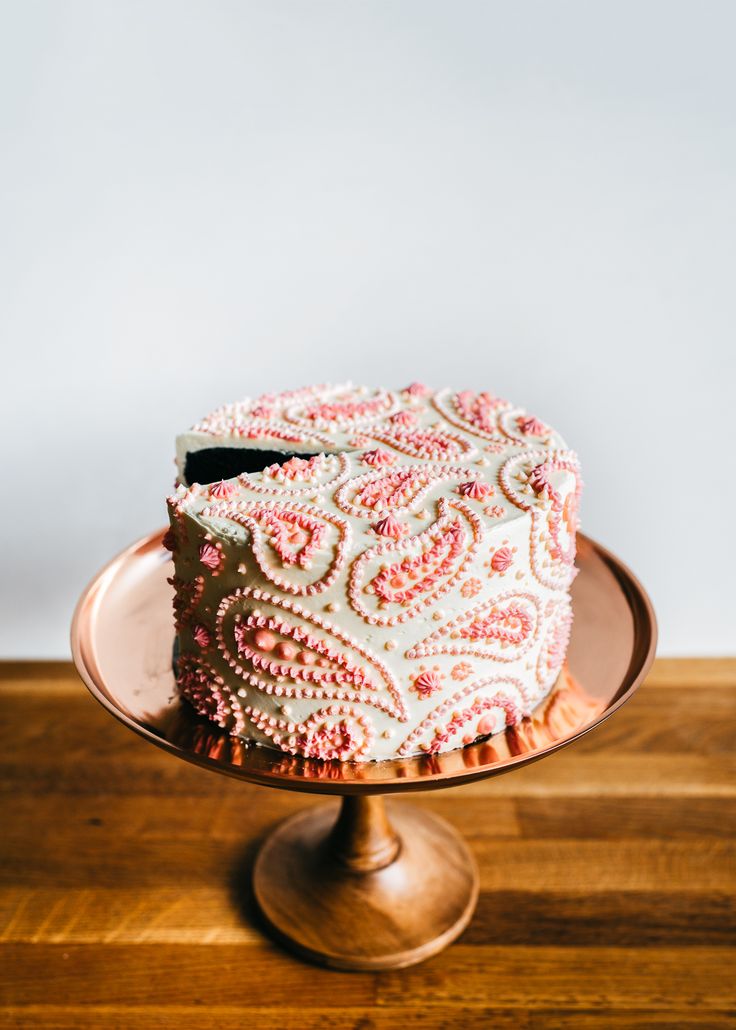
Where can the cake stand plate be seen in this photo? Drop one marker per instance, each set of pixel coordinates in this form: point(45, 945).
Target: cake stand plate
point(347, 886)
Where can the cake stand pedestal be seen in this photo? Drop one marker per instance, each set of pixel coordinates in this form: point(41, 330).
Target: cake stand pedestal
point(361, 889)
point(362, 886)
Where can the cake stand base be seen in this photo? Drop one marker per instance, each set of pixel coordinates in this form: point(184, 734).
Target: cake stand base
point(348, 888)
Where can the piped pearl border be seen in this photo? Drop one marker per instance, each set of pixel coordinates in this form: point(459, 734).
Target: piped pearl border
point(248, 513)
point(243, 426)
point(187, 595)
point(395, 707)
point(417, 479)
point(275, 729)
point(403, 548)
point(282, 490)
point(556, 635)
point(228, 711)
point(444, 402)
point(437, 643)
point(381, 405)
point(429, 444)
point(555, 573)
point(433, 719)
point(525, 497)
point(507, 423)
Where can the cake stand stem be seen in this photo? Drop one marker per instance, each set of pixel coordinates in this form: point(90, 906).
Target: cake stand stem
point(363, 839)
point(368, 886)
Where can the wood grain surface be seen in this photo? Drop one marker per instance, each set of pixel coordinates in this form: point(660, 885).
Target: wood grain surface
point(608, 876)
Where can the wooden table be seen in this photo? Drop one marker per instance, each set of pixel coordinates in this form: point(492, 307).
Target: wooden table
point(607, 879)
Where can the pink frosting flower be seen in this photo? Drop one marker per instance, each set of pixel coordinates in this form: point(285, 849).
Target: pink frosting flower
point(502, 559)
point(426, 684)
point(475, 489)
point(389, 525)
point(404, 418)
point(210, 556)
point(539, 478)
point(461, 671)
point(378, 457)
point(201, 636)
point(531, 426)
point(417, 390)
point(223, 490)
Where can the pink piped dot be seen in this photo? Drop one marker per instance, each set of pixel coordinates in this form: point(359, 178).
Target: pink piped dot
point(264, 640)
point(285, 649)
point(486, 725)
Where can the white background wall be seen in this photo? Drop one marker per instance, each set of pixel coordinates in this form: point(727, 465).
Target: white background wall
point(205, 200)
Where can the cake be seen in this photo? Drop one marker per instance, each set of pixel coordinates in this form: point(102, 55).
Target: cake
point(362, 574)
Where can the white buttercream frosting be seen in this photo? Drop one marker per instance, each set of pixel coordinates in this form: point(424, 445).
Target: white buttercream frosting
point(404, 591)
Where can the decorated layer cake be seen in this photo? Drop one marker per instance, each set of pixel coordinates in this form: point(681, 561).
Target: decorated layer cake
point(362, 574)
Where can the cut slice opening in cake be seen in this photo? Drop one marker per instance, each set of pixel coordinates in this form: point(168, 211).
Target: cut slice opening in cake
point(211, 464)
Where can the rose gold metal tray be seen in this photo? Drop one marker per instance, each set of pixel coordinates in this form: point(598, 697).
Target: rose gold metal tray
point(122, 642)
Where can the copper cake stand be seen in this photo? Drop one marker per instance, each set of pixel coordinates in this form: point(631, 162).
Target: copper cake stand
point(357, 886)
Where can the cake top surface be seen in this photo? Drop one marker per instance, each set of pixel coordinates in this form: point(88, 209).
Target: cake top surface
point(464, 427)
point(381, 467)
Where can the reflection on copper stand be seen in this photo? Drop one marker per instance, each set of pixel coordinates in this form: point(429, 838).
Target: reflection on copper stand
point(566, 711)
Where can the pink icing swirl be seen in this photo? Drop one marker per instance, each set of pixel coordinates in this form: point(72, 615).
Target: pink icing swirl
point(539, 478)
point(416, 390)
point(426, 684)
point(404, 418)
point(378, 457)
point(223, 490)
point(531, 426)
point(335, 741)
point(202, 636)
point(502, 559)
point(296, 468)
point(390, 526)
point(210, 556)
point(475, 489)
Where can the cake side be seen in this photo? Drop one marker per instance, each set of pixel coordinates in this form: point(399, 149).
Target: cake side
point(404, 592)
